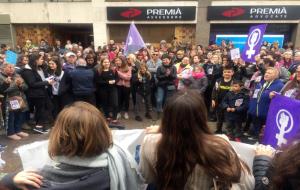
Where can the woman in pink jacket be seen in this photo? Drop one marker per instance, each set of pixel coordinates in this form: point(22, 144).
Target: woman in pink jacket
point(123, 86)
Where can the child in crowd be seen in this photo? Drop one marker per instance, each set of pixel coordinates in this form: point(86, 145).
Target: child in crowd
point(143, 83)
point(221, 88)
point(235, 104)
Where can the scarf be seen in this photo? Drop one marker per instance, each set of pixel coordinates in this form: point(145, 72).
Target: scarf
point(122, 167)
point(198, 75)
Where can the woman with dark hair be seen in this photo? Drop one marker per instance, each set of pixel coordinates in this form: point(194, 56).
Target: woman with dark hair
point(90, 60)
point(85, 156)
point(107, 89)
point(36, 78)
point(186, 154)
point(60, 95)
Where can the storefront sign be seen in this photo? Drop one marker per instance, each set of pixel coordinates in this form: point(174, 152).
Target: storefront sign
point(151, 13)
point(253, 13)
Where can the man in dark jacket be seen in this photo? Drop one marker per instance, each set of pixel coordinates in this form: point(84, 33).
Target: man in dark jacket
point(83, 82)
point(166, 75)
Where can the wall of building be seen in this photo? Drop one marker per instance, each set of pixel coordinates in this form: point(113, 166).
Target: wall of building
point(94, 13)
point(80, 12)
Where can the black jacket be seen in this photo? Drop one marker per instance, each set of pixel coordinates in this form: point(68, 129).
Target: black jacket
point(238, 101)
point(102, 80)
point(263, 171)
point(144, 86)
point(165, 80)
point(213, 72)
point(37, 88)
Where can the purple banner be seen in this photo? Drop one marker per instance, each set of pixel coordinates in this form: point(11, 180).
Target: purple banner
point(283, 121)
point(253, 43)
point(134, 41)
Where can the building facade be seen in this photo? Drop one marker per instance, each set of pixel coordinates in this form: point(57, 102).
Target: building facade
point(200, 21)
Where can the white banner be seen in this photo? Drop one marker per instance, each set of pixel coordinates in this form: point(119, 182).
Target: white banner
point(35, 155)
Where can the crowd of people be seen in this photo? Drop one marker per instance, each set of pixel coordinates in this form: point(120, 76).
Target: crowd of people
point(238, 94)
point(179, 154)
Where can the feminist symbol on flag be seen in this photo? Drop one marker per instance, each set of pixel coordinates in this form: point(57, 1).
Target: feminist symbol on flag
point(252, 42)
point(285, 123)
point(130, 40)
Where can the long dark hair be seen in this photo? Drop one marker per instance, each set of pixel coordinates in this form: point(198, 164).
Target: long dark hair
point(187, 141)
point(33, 59)
point(57, 61)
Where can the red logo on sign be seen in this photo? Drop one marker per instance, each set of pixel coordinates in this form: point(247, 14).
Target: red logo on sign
point(233, 12)
point(131, 13)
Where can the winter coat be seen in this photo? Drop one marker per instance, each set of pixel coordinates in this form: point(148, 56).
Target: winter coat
point(144, 86)
point(260, 100)
point(10, 90)
point(166, 80)
point(239, 101)
point(213, 72)
point(102, 80)
point(220, 90)
point(240, 73)
point(186, 73)
point(263, 171)
point(284, 74)
point(198, 84)
point(37, 88)
point(83, 81)
point(124, 78)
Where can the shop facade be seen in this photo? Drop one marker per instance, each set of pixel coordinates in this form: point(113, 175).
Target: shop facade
point(155, 23)
point(283, 21)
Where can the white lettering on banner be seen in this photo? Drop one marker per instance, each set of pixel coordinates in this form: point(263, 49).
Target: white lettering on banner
point(265, 13)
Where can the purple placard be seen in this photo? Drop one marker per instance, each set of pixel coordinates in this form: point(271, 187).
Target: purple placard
point(283, 121)
point(253, 43)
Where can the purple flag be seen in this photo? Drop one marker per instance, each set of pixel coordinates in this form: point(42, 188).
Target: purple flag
point(283, 121)
point(134, 41)
point(253, 43)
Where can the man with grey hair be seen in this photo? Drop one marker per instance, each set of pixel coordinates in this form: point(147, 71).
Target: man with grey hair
point(82, 80)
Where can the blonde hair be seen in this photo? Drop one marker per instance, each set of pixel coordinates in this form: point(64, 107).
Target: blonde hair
point(275, 70)
point(148, 74)
point(132, 57)
point(79, 130)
